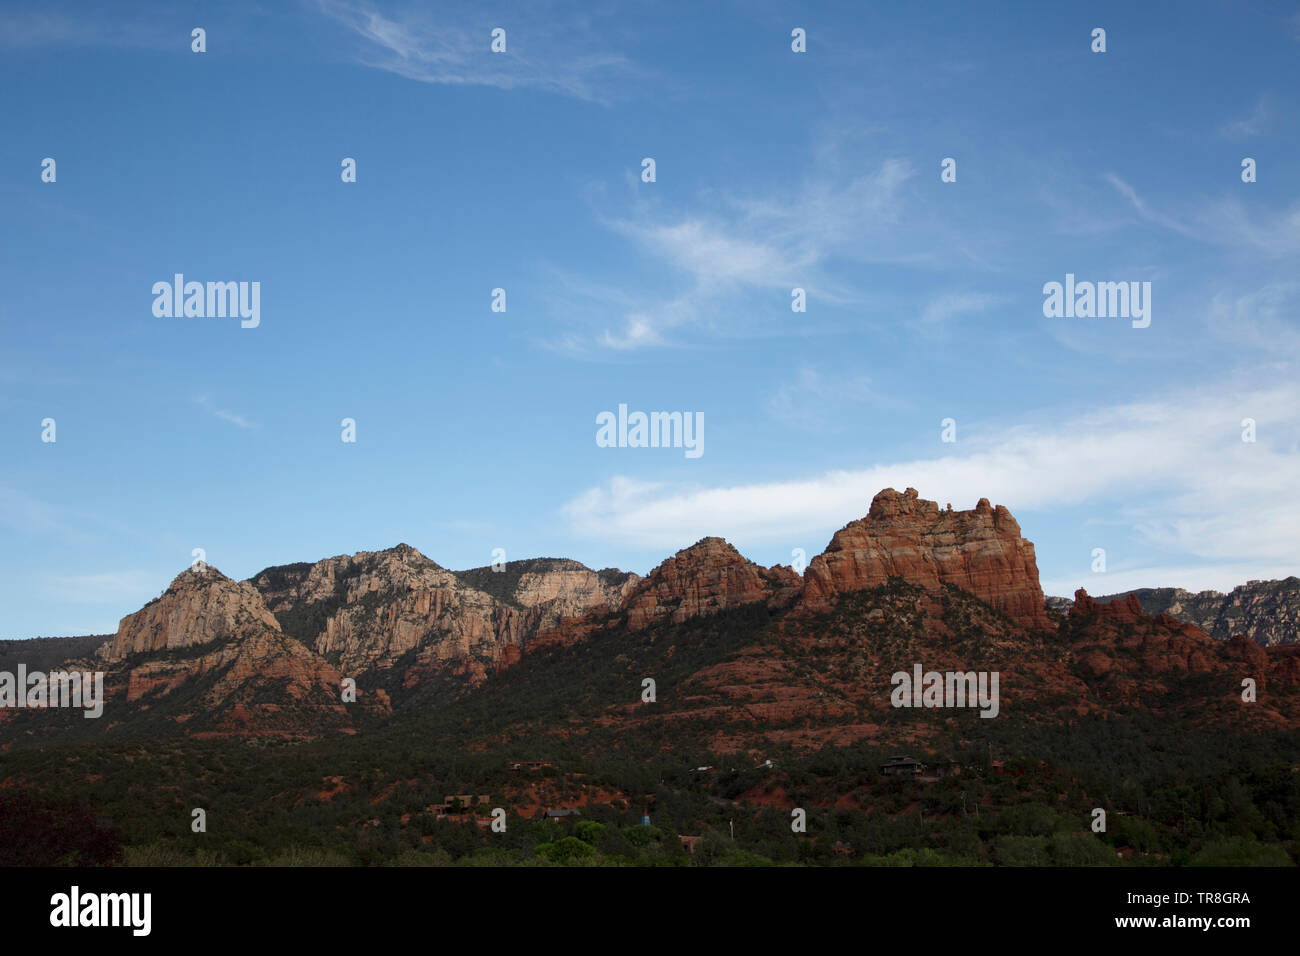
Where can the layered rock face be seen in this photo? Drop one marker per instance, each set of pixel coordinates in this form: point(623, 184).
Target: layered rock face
point(243, 669)
point(206, 627)
point(1115, 631)
point(708, 577)
point(1267, 612)
point(980, 551)
point(1118, 638)
point(558, 588)
point(369, 609)
point(201, 606)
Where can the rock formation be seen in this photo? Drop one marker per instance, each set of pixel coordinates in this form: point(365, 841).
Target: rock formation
point(208, 631)
point(1267, 612)
point(201, 606)
point(1118, 638)
point(903, 535)
point(707, 577)
point(268, 655)
point(371, 609)
point(1118, 635)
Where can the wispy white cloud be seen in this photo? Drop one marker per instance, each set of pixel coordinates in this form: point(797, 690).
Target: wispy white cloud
point(1174, 471)
point(452, 45)
point(34, 517)
point(716, 256)
point(1271, 235)
point(27, 515)
point(226, 416)
point(951, 305)
point(1267, 318)
point(1225, 221)
point(736, 245)
point(1250, 125)
point(1145, 210)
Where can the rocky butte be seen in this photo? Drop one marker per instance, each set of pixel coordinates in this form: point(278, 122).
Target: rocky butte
point(708, 577)
point(903, 535)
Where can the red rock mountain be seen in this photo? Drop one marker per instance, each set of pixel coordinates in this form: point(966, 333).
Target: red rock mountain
point(209, 632)
point(903, 535)
point(815, 678)
point(376, 610)
point(1117, 639)
point(397, 611)
point(248, 653)
point(201, 606)
point(708, 577)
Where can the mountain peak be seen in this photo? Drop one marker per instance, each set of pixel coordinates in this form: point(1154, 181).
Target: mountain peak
point(907, 536)
point(711, 550)
point(200, 606)
point(405, 550)
point(708, 577)
point(198, 574)
point(890, 503)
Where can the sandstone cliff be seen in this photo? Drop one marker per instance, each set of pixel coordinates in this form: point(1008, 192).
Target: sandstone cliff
point(707, 577)
point(398, 608)
point(201, 606)
point(558, 588)
point(214, 637)
point(1138, 652)
point(905, 536)
point(1267, 612)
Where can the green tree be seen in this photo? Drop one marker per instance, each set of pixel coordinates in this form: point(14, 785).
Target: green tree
point(565, 850)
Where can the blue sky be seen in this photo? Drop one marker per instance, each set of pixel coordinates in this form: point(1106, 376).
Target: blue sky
point(522, 170)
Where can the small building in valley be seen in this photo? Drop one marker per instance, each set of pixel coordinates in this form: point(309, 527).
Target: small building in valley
point(556, 816)
point(902, 766)
point(527, 764)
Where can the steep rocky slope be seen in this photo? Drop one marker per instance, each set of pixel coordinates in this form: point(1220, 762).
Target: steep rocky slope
point(754, 678)
point(1267, 612)
point(1135, 659)
point(200, 606)
point(707, 577)
point(562, 587)
point(207, 655)
point(397, 608)
point(906, 536)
